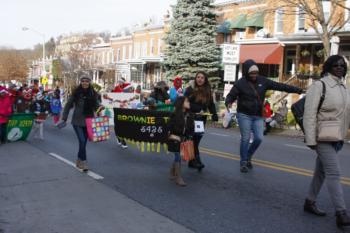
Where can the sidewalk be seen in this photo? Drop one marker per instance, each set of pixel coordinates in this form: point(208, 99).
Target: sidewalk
point(39, 194)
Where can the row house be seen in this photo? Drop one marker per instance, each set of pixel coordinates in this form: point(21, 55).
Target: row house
point(101, 65)
point(285, 46)
point(138, 57)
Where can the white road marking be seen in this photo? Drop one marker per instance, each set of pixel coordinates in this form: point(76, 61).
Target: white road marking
point(296, 146)
point(89, 173)
point(219, 134)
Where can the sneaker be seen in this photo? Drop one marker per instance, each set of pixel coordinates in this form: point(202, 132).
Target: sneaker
point(124, 146)
point(243, 167)
point(118, 142)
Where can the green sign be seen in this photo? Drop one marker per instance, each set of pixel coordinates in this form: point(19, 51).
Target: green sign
point(19, 127)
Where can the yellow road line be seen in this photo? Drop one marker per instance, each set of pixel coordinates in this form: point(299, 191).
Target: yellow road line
point(267, 164)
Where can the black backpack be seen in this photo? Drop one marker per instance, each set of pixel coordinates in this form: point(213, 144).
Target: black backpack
point(298, 107)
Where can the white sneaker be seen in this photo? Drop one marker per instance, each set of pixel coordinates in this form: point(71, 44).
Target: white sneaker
point(118, 142)
point(124, 146)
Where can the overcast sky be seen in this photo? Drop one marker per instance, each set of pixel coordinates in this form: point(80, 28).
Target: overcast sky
point(56, 17)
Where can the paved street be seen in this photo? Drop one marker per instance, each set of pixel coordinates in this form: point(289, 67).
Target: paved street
point(220, 199)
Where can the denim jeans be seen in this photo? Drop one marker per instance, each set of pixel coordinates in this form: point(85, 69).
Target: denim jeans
point(177, 157)
point(82, 135)
point(248, 124)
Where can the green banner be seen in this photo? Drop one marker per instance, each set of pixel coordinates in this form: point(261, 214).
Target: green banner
point(19, 127)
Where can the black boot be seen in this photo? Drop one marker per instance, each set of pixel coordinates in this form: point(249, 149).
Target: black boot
point(193, 164)
point(310, 207)
point(243, 167)
point(343, 219)
point(200, 164)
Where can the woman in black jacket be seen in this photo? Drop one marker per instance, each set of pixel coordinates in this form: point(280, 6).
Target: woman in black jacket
point(181, 127)
point(85, 101)
point(250, 92)
point(201, 100)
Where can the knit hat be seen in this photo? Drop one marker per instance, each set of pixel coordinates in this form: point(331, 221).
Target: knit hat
point(253, 68)
point(85, 77)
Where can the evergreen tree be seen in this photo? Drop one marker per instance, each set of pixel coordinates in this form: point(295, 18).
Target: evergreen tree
point(191, 41)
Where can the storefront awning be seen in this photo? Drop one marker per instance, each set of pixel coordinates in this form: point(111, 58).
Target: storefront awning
point(238, 23)
point(256, 20)
point(262, 53)
point(225, 27)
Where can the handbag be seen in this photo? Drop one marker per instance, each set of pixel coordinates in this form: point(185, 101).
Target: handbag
point(329, 131)
point(298, 107)
point(98, 128)
point(187, 150)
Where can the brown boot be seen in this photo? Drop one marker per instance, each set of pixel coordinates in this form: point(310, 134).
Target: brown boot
point(178, 179)
point(83, 166)
point(172, 172)
point(78, 163)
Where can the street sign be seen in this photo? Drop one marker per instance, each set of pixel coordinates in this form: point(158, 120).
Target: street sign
point(230, 73)
point(227, 89)
point(230, 54)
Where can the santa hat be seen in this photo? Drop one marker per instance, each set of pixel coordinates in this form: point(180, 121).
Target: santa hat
point(176, 84)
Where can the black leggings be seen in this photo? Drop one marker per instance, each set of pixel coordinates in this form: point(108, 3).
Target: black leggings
point(196, 140)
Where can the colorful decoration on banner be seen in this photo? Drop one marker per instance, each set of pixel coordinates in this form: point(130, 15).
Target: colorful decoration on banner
point(146, 129)
point(120, 100)
point(19, 127)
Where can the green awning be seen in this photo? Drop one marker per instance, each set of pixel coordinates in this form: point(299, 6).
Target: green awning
point(256, 20)
point(239, 21)
point(225, 27)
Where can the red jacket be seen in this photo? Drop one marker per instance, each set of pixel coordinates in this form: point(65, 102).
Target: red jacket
point(120, 87)
point(5, 108)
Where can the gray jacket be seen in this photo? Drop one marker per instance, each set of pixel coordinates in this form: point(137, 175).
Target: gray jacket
point(78, 118)
point(335, 109)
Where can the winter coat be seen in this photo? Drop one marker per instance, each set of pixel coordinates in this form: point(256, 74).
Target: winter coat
point(120, 87)
point(55, 106)
point(335, 108)
point(248, 102)
point(181, 130)
point(197, 107)
point(5, 108)
point(80, 104)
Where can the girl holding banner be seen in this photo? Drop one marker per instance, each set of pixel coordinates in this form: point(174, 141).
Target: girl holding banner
point(201, 100)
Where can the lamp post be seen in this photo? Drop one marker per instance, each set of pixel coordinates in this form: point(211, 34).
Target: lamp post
point(43, 36)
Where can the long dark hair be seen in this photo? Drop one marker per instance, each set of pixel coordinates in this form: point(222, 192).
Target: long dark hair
point(178, 111)
point(89, 96)
point(202, 93)
point(327, 66)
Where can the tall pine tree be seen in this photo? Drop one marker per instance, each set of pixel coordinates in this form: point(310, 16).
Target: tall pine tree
point(191, 41)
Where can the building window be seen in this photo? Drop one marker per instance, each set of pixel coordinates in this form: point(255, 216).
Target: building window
point(130, 52)
point(144, 49)
point(137, 48)
point(347, 13)
point(326, 9)
point(300, 20)
point(227, 38)
point(152, 47)
point(124, 53)
point(118, 55)
point(159, 47)
point(279, 21)
point(240, 34)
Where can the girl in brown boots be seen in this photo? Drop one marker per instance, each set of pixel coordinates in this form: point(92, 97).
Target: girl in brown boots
point(181, 127)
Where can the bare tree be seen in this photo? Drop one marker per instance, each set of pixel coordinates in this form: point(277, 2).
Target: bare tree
point(325, 25)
